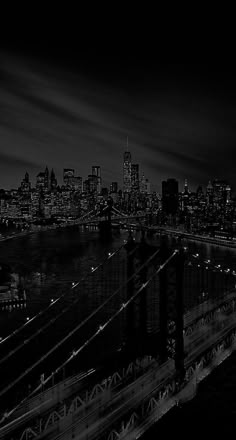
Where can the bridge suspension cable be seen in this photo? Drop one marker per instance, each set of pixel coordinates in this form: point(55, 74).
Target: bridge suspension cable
point(119, 212)
point(40, 313)
point(49, 323)
point(122, 307)
point(45, 356)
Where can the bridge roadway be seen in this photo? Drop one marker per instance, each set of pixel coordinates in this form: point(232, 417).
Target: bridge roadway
point(106, 408)
point(99, 419)
point(11, 352)
point(191, 236)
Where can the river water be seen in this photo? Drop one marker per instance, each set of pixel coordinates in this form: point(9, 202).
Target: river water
point(48, 262)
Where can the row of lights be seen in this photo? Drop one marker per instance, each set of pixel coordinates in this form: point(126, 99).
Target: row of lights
point(28, 318)
point(110, 254)
point(218, 266)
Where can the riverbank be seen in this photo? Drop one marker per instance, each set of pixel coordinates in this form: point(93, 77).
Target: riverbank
point(197, 237)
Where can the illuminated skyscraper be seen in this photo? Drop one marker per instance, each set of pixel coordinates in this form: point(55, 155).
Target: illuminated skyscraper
point(135, 177)
point(127, 172)
point(220, 193)
point(96, 171)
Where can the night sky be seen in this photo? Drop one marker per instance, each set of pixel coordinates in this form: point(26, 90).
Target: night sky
point(66, 107)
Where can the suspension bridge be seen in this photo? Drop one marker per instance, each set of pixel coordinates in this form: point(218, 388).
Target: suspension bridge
point(105, 217)
point(127, 342)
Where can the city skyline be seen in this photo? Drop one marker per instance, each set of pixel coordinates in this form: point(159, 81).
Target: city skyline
point(179, 118)
point(61, 181)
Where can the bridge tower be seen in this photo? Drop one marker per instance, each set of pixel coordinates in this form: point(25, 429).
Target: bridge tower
point(105, 221)
point(137, 255)
point(170, 291)
point(171, 307)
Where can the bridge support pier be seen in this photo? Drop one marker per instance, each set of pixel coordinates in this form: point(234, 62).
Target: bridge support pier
point(172, 308)
point(130, 245)
point(179, 338)
point(163, 301)
point(137, 310)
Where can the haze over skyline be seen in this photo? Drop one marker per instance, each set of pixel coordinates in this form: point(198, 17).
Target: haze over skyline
point(71, 112)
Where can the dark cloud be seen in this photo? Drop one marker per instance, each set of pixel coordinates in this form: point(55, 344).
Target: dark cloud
point(16, 163)
point(180, 121)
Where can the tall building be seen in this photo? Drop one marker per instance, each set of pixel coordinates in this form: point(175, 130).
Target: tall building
point(184, 197)
point(25, 184)
point(170, 196)
point(220, 192)
point(46, 179)
point(127, 172)
point(77, 184)
point(96, 171)
point(40, 181)
point(209, 194)
point(68, 175)
point(228, 193)
point(114, 187)
point(53, 180)
point(93, 180)
point(135, 177)
point(186, 190)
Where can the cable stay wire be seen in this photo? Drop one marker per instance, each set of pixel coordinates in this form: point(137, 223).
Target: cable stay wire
point(45, 356)
point(122, 307)
point(49, 323)
point(15, 332)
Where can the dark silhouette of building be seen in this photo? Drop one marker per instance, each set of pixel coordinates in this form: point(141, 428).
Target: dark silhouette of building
point(25, 184)
point(68, 175)
point(114, 187)
point(53, 180)
point(170, 196)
